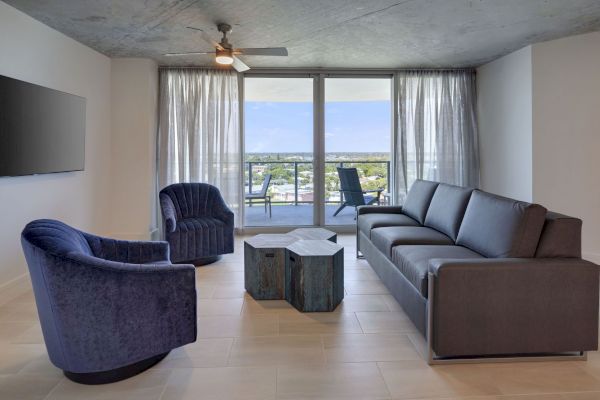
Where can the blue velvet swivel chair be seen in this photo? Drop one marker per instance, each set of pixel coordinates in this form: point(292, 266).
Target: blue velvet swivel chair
point(109, 309)
point(197, 223)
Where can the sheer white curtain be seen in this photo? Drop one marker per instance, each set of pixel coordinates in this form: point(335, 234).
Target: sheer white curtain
point(436, 135)
point(199, 134)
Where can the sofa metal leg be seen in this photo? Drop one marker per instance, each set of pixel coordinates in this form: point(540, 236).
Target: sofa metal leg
point(430, 294)
point(359, 255)
point(434, 359)
point(513, 358)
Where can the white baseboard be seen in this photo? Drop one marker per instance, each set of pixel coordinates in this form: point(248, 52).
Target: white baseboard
point(14, 288)
point(155, 234)
point(593, 257)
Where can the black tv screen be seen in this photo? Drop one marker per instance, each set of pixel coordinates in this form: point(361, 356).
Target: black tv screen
point(41, 130)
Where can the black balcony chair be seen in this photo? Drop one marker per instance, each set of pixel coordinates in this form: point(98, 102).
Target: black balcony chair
point(262, 195)
point(351, 191)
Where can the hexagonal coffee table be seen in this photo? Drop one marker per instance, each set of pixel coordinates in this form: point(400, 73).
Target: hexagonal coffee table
point(314, 275)
point(264, 265)
point(314, 234)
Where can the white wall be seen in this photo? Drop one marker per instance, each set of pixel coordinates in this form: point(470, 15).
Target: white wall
point(134, 91)
point(566, 131)
point(539, 112)
point(505, 125)
point(35, 53)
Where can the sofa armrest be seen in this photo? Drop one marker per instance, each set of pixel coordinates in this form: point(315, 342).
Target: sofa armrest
point(378, 210)
point(574, 265)
point(168, 211)
point(124, 251)
point(513, 306)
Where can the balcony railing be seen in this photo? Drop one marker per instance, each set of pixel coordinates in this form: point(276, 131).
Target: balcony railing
point(251, 167)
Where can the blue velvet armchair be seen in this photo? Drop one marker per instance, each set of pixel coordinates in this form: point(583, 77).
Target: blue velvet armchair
point(197, 223)
point(109, 309)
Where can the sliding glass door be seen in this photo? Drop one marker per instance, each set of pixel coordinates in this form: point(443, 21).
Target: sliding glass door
point(357, 135)
point(298, 130)
point(278, 130)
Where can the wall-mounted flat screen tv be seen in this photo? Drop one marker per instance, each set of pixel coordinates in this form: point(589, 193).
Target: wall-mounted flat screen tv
point(42, 130)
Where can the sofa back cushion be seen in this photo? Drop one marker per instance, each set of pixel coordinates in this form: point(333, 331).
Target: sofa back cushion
point(561, 237)
point(447, 209)
point(418, 199)
point(498, 227)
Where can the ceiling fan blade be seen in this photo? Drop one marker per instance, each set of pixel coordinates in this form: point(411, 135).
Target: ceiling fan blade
point(239, 65)
point(206, 37)
point(267, 51)
point(193, 53)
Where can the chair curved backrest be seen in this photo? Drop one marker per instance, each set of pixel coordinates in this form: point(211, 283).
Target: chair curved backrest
point(56, 238)
point(350, 186)
point(265, 185)
point(193, 199)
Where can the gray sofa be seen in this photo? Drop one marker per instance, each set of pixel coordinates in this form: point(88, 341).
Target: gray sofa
point(483, 276)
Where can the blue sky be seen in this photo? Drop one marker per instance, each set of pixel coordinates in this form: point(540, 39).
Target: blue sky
point(285, 127)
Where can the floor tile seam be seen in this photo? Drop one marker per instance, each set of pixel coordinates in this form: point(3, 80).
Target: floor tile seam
point(54, 388)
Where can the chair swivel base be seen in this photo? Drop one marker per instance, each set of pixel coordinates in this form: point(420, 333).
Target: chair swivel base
point(205, 260)
point(114, 375)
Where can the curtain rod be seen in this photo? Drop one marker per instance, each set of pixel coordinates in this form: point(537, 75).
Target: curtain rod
point(324, 70)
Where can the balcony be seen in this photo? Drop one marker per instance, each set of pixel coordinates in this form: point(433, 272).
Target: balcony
point(292, 195)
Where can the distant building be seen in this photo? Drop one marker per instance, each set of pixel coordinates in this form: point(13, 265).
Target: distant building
point(259, 169)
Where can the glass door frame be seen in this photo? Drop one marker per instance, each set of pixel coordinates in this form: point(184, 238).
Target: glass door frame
point(318, 77)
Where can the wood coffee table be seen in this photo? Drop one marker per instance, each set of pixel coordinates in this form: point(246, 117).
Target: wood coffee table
point(314, 275)
point(314, 234)
point(264, 265)
point(315, 281)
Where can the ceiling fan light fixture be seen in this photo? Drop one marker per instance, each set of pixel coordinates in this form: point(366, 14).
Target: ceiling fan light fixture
point(224, 57)
point(226, 54)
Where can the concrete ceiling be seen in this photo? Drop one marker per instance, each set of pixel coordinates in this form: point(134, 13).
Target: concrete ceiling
point(320, 33)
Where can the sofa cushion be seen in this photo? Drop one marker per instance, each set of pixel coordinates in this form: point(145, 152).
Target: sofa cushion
point(418, 199)
point(447, 208)
point(561, 237)
point(387, 238)
point(500, 227)
point(366, 222)
point(413, 261)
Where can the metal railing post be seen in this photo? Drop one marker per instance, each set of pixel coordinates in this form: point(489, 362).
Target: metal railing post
point(249, 182)
point(250, 177)
point(387, 189)
point(295, 183)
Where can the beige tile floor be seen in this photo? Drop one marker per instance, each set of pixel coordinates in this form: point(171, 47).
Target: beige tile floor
point(247, 349)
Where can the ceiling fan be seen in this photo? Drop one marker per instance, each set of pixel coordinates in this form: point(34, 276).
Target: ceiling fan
point(226, 54)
